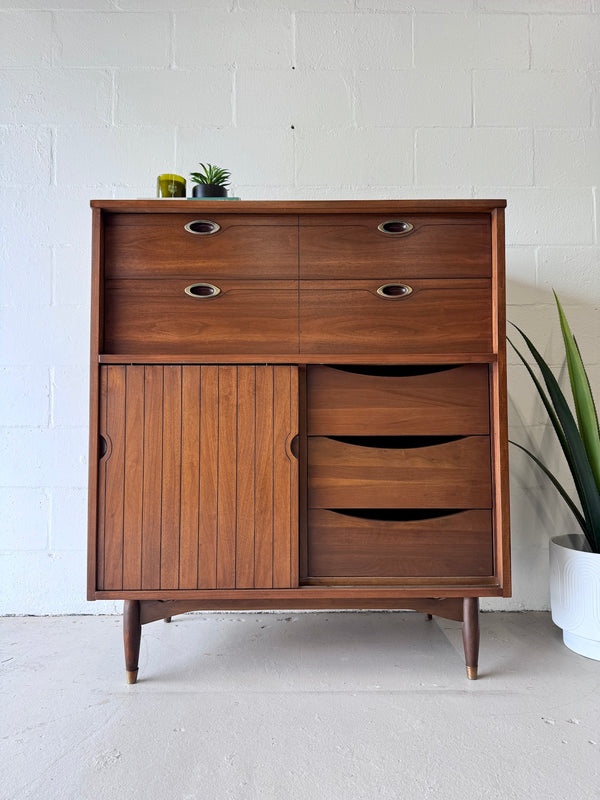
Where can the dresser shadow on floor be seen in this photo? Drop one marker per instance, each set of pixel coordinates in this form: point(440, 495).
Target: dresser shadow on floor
point(334, 651)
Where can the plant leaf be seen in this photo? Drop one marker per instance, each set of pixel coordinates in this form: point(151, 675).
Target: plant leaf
point(562, 491)
point(216, 176)
point(546, 401)
point(563, 442)
point(572, 445)
point(582, 396)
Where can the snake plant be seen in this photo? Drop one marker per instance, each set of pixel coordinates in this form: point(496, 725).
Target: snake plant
point(579, 440)
point(215, 176)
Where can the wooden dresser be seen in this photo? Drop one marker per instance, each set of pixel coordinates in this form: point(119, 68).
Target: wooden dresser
point(298, 405)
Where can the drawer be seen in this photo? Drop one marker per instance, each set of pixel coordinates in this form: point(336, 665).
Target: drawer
point(437, 246)
point(435, 317)
point(242, 246)
point(399, 401)
point(158, 317)
point(402, 472)
point(411, 545)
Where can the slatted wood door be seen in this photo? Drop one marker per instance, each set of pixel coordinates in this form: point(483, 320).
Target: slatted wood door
point(198, 487)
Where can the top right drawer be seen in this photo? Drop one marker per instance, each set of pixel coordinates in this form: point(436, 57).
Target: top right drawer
point(407, 245)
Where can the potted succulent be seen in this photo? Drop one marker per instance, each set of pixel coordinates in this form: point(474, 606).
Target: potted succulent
point(211, 181)
point(574, 557)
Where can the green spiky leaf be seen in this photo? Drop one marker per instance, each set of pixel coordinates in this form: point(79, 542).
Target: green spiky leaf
point(571, 442)
point(559, 487)
point(209, 174)
point(585, 408)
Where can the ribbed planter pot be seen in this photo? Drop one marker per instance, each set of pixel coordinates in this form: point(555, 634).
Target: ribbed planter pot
point(575, 593)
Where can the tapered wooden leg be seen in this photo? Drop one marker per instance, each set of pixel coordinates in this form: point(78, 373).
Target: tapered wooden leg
point(428, 617)
point(132, 633)
point(470, 632)
point(167, 619)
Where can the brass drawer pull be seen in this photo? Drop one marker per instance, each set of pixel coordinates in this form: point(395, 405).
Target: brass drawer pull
point(393, 291)
point(395, 227)
point(202, 227)
point(202, 291)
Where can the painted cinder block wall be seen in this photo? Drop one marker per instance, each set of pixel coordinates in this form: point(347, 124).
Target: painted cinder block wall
point(300, 99)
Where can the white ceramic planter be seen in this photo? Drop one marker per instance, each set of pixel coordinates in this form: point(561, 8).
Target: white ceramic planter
point(575, 593)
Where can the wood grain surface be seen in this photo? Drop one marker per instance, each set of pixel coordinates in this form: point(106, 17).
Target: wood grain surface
point(197, 488)
point(352, 246)
point(352, 474)
point(293, 207)
point(151, 316)
point(398, 400)
point(177, 436)
point(158, 246)
point(438, 317)
point(448, 545)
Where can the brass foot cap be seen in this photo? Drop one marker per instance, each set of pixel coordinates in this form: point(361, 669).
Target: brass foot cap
point(131, 675)
point(472, 673)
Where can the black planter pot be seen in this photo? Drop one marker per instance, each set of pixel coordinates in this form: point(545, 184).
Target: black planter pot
point(209, 190)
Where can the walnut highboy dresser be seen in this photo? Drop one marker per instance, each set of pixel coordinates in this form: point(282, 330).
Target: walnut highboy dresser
point(298, 405)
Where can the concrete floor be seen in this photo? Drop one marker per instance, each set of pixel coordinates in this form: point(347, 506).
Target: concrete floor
point(328, 706)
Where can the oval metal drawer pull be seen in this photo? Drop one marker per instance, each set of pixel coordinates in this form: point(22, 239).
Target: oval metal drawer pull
point(202, 227)
point(393, 291)
point(202, 291)
point(395, 227)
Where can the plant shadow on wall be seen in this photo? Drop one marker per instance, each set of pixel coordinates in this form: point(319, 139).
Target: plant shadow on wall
point(574, 557)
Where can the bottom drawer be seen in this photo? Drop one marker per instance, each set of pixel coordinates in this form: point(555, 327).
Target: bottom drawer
point(401, 544)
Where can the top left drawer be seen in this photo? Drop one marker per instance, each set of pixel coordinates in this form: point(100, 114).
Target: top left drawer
point(223, 246)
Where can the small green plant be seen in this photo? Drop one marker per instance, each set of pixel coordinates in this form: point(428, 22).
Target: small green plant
point(213, 176)
point(580, 441)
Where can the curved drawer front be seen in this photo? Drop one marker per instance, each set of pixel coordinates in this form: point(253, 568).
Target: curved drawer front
point(409, 401)
point(447, 545)
point(242, 246)
point(354, 246)
point(436, 317)
point(157, 316)
point(360, 472)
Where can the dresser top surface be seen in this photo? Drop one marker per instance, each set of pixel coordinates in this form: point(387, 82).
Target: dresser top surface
point(298, 206)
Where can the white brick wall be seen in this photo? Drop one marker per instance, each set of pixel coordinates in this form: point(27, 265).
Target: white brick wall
point(353, 41)
point(55, 96)
point(170, 98)
point(414, 98)
point(450, 155)
point(537, 99)
point(305, 99)
point(261, 39)
point(111, 40)
point(471, 41)
point(26, 39)
point(302, 99)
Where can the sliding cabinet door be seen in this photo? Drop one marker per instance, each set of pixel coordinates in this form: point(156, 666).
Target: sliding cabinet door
point(198, 484)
